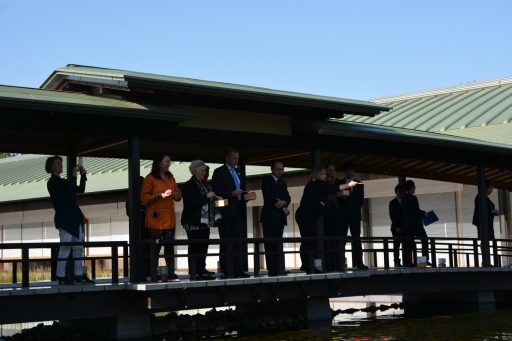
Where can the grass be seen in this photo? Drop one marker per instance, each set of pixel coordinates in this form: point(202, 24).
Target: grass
point(43, 273)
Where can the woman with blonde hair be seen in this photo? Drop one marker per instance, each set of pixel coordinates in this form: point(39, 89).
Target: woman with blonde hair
point(309, 212)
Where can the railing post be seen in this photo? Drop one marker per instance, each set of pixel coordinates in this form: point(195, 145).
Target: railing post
point(433, 253)
point(14, 271)
point(497, 260)
point(53, 262)
point(126, 273)
point(468, 260)
point(455, 258)
point(115, 265)
point(450, 255)
point(386, 253)
point(475, 251)
point(25, 266)
point(257, 257)
point(93, 268)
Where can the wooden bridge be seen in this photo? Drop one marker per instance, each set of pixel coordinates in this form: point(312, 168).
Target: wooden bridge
point(129, 304)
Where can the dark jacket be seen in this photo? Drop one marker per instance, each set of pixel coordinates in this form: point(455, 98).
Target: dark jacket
point(223, 184)
point(193, 201)
point(68, 215)
point(315, 196)
point(490, 216)
point(271, 190)
point(396, 215)
point(352, 204)
point(412, 214)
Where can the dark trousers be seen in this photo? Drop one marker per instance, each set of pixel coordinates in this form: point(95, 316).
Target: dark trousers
point(422, 235)
point(334, 250)
point(231, 227)
point(307, 222)
point(354, 225)
point(274, 255)
point(409, 245)
point(164, 236)
point(197, 252)
point(397, 240)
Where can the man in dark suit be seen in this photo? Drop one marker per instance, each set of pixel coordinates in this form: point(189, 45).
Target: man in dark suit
point(351, 215)
point(491, 213)
point(413, 224)
point(273, 217)
point(397, 221)
point(229, 183)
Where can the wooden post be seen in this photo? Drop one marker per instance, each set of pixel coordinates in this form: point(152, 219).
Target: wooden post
point(137, 273)
point(483, 220)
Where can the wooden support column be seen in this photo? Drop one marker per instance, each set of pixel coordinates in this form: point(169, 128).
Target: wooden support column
point(137, 273)
point(483, 220)
point(244, 249)
point(316, 157)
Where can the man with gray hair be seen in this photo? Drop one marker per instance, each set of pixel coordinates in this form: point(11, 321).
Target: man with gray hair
point(229, 183)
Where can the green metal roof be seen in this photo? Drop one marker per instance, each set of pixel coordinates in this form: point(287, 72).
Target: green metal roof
point(122, 78)
point(11, 96)
point(23, 177)
point(480, 110)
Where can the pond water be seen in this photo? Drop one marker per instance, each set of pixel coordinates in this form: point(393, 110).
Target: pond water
point(496, 325)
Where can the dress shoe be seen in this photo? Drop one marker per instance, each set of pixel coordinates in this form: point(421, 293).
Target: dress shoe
point(63, 281)
point(244, 275)
point(83, 280)
point(361, 267)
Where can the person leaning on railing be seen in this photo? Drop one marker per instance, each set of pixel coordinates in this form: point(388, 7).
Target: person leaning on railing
point(197, 217)
point(159, 192)
point(69, 219)
point(309, 212)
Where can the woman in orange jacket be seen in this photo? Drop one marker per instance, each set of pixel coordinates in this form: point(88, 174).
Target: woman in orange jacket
point(159, 192)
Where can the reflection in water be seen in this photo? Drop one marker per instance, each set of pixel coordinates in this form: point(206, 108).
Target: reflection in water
point(394, 325)
point(386, 325)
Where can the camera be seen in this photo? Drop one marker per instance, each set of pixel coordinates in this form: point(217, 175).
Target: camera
point(155, 213)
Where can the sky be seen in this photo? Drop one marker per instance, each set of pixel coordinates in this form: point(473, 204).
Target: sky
point(350, 49)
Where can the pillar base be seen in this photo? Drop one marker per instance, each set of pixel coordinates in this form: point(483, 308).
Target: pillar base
point(123, 327)
point(315, 310)
point(426, 304)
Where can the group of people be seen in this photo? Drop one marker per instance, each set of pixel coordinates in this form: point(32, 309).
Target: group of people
point(329, 208)
point(407, 225)
point(407, 222)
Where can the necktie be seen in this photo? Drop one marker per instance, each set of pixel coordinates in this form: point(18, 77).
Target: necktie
point(237, 180)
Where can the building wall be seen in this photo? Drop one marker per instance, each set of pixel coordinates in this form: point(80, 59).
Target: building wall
point(33, 221)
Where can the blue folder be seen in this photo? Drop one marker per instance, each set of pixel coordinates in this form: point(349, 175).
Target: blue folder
point(429, 218)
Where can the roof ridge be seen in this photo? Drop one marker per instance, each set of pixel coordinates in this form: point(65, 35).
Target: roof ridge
point(21, 158)
point(443, 90)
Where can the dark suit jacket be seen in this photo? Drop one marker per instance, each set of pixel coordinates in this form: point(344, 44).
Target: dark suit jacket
point(412, 214)
point(223, 184)
point(193, 201)
point(490, 216)
point(353, 204)
point(396, 215)
point(315, 196)
point(271, 190)
point(68, 215)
